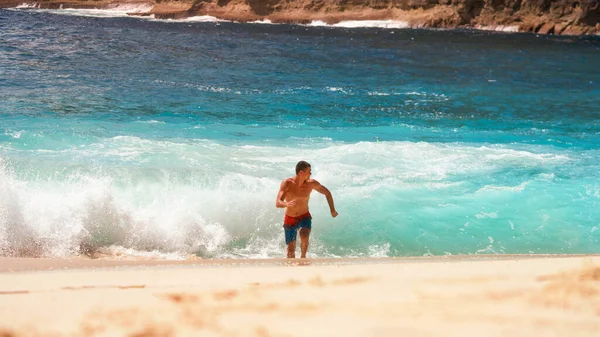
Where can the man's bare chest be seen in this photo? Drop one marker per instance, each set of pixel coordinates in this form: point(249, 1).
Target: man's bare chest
point(299, 192)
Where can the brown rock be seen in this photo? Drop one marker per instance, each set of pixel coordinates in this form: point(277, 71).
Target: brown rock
point(542, 16)
point(574, 30)
point(590, 15)
point(547, 28)
point(560, 28)
point(529, 23)
point(171, 10)
point(9, 4)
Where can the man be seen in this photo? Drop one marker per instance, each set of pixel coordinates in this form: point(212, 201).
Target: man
point(293, 196)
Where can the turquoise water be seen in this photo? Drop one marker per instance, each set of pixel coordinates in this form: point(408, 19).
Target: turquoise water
point(139, 136)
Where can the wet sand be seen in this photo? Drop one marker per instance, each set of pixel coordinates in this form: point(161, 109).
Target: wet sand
point(505, 295)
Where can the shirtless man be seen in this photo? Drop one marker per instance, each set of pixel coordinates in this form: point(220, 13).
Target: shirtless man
point(293, 196)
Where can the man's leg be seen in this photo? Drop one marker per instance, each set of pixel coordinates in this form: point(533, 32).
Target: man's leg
point(291, 250)
point(290, 240)
point(304, 234)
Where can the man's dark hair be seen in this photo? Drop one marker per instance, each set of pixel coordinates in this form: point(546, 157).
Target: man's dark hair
point(301, 166)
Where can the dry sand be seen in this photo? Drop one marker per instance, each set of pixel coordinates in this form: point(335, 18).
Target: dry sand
point(460, 296)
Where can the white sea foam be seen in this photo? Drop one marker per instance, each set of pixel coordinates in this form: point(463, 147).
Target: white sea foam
point(121, 10)
point(152, 121)
point(491, 248)
point(363, 24)
point(193, 19)
point(14, 134)
point(122, 253)
point(518, 188)
point(546, 176)
point(483, 215)
point(339, 89)
point(200, 18)
point(318, 23)
point(263, 21)
point(593, 190)
point(28, 5)
point(499, 28)
point(382, 250)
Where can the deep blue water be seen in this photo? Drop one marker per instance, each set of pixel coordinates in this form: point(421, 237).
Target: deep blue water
point(133, 135)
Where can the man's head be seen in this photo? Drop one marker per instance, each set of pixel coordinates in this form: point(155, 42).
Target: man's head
point(303, 168)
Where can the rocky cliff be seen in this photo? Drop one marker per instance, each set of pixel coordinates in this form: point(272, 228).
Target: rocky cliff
point(565, 17)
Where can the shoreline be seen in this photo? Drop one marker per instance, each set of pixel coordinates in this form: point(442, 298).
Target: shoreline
point(569, 17)
point(22, 264)
point(506, 295)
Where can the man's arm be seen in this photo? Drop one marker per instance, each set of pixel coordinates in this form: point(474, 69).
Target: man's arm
point(280, 201)
point(323, 190)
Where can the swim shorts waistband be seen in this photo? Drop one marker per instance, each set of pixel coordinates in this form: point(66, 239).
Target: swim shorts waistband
point(294, 220)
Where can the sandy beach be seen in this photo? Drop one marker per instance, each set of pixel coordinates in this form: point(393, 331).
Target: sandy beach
point(457, 296)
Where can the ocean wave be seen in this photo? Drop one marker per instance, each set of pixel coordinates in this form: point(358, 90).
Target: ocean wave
point(201, 198)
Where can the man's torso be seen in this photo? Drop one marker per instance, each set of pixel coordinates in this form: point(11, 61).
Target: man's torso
point(299, 193)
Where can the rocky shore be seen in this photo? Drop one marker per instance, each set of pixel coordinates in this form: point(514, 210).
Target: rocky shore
point(559, 17)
